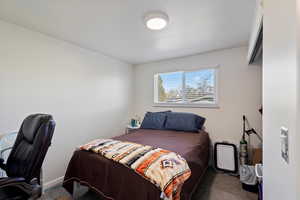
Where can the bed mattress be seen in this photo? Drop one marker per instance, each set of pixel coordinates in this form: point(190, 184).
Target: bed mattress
point(117, 182)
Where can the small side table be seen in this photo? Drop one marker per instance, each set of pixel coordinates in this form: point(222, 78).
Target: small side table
point(130, 129)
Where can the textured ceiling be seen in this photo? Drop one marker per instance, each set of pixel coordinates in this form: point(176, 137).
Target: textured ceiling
point(116, 28)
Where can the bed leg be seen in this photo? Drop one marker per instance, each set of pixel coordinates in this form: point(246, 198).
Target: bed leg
point(76, 186)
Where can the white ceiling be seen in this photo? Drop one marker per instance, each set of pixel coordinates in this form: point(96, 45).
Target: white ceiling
point(115, 27)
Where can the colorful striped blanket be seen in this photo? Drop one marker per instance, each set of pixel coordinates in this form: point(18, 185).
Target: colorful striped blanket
point(166, 169)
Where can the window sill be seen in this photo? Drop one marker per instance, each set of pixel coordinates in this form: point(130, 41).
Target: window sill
point(183, 105)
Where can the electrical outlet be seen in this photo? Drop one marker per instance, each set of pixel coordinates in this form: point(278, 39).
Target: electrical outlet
point(284, 136)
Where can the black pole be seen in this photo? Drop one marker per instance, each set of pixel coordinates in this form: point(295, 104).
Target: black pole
point(244, 127)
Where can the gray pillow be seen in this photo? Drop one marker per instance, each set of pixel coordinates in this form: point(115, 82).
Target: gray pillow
point(184, 122)
point(154, 121)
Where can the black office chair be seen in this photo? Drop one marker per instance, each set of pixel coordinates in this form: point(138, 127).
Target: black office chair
point(23, 166)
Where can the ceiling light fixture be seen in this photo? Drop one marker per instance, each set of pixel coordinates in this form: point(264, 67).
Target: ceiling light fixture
point(156, 20)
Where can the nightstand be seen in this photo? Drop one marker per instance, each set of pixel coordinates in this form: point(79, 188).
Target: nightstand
point(130, 129)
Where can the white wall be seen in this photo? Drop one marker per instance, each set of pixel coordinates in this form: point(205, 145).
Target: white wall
point(298, 102)
point(239, 91)
point(88, 94)
point(280, 84)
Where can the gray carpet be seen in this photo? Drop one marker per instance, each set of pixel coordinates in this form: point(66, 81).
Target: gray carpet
point(214, 187)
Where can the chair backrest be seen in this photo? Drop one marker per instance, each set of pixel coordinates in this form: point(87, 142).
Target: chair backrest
point(30, 148)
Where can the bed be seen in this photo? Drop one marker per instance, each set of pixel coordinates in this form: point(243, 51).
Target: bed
point(114, 181)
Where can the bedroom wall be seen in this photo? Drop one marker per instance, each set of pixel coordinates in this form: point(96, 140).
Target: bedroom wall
point(88, 94)
point(298, 101)
point(240, 91)
point(281, 98)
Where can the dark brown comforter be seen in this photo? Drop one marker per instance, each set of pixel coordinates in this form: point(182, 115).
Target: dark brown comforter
point(117, 182)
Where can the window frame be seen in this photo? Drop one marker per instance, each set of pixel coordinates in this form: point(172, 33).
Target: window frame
point(188, 104)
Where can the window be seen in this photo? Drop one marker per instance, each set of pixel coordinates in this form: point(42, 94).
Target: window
point(186, 88)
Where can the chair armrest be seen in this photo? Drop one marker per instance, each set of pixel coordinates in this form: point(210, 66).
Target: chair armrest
point(4, 150)
point(4, 182)
point(6, 142)
point(2, 165)
point(32, 189)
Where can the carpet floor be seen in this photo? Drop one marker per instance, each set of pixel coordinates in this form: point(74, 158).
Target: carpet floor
point(215, 186)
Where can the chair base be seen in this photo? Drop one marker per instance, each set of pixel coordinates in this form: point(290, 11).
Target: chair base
point(9, 193)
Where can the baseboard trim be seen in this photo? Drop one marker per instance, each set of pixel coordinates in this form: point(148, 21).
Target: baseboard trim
point(53, 183)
